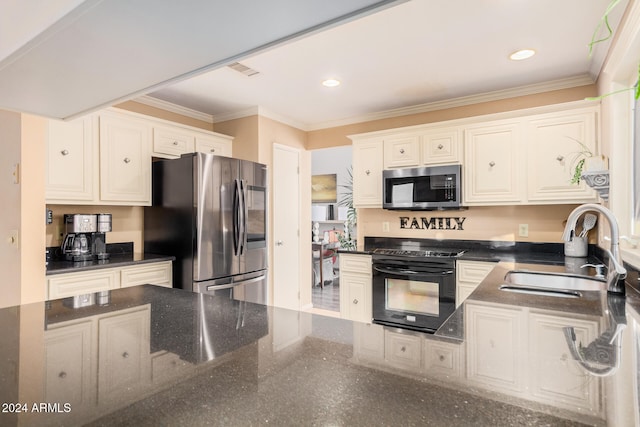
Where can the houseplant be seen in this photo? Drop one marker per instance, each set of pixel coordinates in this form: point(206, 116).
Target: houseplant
point(346, 239)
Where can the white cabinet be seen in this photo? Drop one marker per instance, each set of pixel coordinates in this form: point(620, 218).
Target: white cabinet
point(214, 144)
point(123, 353)
point(495, 347)
point(125, 159)
point(493, 158)
point(442, 146)
point(401, 151)
point(556, 377)
point(159, 274)
point(72, 284)
point(553, 149)
point(403, 350)
point(442, 359)
point(68, 357)
point(172, 141)
point(367, 173)
point(368, 342)
point(72, 153)
point(105, 159)
point(355, 287)
point(469, 274)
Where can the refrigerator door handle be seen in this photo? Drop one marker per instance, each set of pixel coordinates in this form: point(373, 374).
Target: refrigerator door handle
point(245, 216)
point(237, 218)
point(248, 281)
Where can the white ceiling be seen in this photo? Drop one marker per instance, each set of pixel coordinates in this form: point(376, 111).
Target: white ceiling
point(67, 57)
point(411, 54)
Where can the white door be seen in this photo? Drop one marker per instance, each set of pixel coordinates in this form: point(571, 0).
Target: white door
point(286, 226)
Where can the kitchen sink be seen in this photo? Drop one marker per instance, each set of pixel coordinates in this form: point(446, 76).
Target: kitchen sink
point(550, 284)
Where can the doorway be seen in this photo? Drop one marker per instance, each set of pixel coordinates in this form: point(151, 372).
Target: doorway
point(328, 223)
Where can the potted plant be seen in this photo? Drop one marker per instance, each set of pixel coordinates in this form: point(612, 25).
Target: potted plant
point(346, 239)
point(590, 168)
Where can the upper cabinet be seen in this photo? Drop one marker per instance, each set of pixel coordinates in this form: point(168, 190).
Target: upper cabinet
point(125, 160)
point(554, 144)
point(492, 172)
point(441, 146)
point(367, 173)
point(105, 159)
point(72, 155)
point(401, 152)
point(519, 157)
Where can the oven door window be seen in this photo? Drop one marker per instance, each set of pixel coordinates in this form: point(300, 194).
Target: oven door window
point(412, 296)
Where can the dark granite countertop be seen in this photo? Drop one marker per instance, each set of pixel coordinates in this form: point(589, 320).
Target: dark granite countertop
point(157, 356)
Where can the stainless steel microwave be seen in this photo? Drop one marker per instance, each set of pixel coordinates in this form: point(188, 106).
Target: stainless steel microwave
point(425, 188)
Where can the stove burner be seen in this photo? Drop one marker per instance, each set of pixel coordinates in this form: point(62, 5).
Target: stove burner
point(420, 253)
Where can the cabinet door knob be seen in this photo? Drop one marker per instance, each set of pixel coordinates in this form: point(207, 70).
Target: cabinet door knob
point(175, 142)
point(492, 163)
point(440, 146)
point(402, 151)
point(441, 357)
point(213, 150)
point(368, 172)
point(125, 355)
point(403, 349)
point(64, 152)
point(355, 301)
point(62, 374)
point(560, 158)
point(127, 160)
point(279, 243)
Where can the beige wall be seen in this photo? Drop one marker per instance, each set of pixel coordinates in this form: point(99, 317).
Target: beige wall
point(254, 138)
point(22, 265)
point(337, 136)
point(245, 136)
point(496, 223)
point(159, 113)
point(127, 223)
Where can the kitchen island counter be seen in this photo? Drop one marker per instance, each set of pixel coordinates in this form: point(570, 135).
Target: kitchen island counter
point(197, 359)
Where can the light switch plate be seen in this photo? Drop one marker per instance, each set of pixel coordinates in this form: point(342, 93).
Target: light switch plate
point(385, 226)
point(16, 173)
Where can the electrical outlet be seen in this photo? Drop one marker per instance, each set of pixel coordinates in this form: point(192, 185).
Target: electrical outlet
point(523, 230)
point(385, 227)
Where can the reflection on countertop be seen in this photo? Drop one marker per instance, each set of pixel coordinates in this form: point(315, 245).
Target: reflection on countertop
point(159, 356)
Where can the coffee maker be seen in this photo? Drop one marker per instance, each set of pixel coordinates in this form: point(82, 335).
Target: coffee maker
point(85, 238)
point(99, 238)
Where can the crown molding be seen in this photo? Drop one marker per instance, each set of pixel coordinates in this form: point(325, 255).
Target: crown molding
point(404, 111)
point(173, 108)
point(567, 83)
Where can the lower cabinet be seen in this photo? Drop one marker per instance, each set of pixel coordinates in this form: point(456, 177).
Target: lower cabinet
point(97, 360)
point(70, 375)
point(501, 360)
point(355, 287)
point(73, 284)
point(414, 352)
point(123, 353)
point(469, 274)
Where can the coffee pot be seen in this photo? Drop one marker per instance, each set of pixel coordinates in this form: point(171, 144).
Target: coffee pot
point(76, 245)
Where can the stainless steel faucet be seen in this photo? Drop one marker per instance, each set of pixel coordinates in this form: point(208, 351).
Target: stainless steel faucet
point(616, 273)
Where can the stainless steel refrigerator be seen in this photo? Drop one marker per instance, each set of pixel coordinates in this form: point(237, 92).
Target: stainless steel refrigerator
point(210, 212)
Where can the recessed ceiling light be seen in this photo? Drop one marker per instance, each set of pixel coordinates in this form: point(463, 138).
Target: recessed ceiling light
point(522, 54)
point(331, 83)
